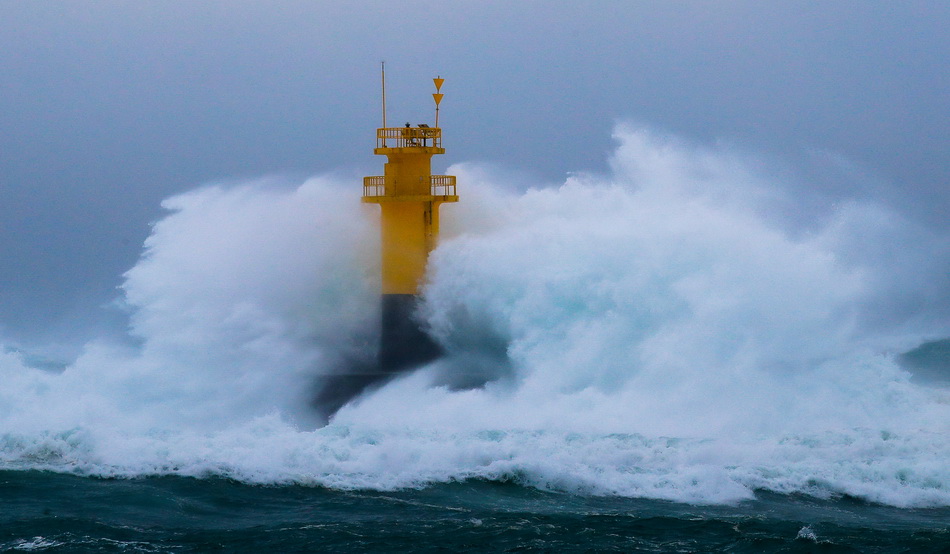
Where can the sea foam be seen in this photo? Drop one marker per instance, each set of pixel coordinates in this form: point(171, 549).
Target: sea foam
point(666, 330)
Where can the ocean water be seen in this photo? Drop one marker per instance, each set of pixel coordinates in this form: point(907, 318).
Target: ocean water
point(686, 354)
point(62, 513)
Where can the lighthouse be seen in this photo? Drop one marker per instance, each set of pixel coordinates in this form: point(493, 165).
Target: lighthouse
point(409, 196)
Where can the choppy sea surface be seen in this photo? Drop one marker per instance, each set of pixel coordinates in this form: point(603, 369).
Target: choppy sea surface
point(63, 513)
point(683, 355)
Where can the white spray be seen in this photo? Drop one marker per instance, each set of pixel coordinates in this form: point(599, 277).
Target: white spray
point(657, 332)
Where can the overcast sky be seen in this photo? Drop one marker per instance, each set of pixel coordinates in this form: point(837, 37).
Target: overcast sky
point(106, 107)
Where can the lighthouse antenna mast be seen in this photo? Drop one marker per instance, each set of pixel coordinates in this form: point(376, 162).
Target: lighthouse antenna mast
point(382, 70)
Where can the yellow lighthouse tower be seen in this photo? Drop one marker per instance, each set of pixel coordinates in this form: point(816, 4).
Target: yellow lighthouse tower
point(409, 196)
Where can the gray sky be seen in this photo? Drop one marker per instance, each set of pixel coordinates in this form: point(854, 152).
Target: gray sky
point(107, 107)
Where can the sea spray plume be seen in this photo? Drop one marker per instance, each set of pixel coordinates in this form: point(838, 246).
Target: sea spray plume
point(492, 201)
point(246, 297)
point(904, 262)
point(659, 299)
point(246, 294)
point(907, 268)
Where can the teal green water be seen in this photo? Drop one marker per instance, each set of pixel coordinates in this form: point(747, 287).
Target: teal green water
point(48, 512)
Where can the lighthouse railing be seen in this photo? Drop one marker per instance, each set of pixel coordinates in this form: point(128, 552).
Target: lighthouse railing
point(442, 185)
point(439, 185)
point(402, 137)
point(374, 186)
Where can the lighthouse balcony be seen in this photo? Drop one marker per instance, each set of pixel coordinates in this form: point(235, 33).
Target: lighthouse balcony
point(423, 136)
point(441, 189)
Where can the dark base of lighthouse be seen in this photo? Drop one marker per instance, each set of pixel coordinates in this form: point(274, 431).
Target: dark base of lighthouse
point(403, 345)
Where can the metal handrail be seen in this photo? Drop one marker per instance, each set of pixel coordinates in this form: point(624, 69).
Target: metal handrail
point(374, 186)
point(442, 185)
point(439, 185)
point(402, 137)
